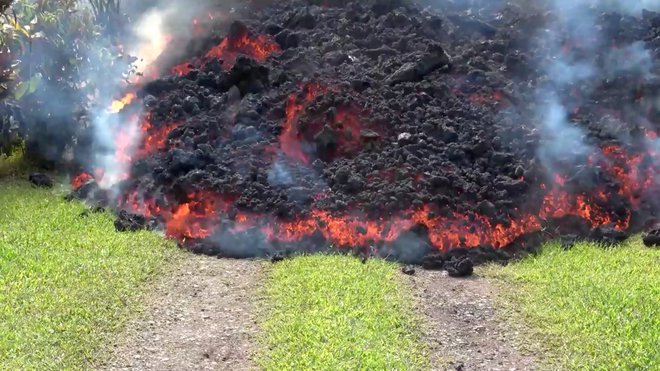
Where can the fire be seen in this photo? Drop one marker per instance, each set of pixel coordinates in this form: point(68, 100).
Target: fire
point(117, 105)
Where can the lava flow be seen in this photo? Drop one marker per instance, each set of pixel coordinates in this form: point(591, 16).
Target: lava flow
point(396, 135)
point(290, 139)
point(239, 42)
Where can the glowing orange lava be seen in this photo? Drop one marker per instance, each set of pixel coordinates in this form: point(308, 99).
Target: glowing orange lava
point(80, 180)
point(196, 218)
point(290, 140)
point(154, 138)
point(257, 47)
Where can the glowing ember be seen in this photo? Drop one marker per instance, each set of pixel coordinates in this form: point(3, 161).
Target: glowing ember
point(259, 48)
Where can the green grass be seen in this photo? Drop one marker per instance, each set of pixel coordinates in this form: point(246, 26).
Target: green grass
point(591, 307)
point(12, 165)
point(335, 313)
point(67, 283)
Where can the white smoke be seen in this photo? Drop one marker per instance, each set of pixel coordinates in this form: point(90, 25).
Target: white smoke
point(576, 27)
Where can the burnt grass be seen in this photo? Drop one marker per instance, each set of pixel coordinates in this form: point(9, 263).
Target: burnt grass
point(444, 100)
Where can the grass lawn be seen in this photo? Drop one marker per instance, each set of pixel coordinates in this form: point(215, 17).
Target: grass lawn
point(336, 313)
point(67, 282)
point(591, 308)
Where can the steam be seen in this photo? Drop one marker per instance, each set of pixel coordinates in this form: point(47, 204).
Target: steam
point(152, 39)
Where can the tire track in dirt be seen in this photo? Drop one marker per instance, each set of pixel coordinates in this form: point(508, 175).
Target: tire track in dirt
point(461, 325)
point(200, 317)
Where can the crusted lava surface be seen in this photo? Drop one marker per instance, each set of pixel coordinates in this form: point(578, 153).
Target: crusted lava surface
point(393, 130)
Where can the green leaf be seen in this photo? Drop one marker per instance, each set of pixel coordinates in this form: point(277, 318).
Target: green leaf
point(21, 90)
point(34, 83)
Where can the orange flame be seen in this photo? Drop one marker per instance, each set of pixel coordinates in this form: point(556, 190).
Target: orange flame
point(117, 105)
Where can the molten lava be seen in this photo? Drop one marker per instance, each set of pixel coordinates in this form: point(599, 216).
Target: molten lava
point(256, 47)
point(290, 139)
point(197, 217)
point(202, 214)
point(154, 138)
point(80, 180)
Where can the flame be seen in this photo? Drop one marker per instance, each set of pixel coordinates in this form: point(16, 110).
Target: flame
point(117, 105)
point(153, 40)
point(182, 68)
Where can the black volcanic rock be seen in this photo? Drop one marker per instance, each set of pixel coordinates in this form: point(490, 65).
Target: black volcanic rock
point(127, 222)
point(459, 266)
point(652, 238)
point(41, 180)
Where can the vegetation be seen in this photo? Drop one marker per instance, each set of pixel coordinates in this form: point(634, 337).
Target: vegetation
point(52, 48)
point(592, 307)
point(335, 313)
point(67, 281)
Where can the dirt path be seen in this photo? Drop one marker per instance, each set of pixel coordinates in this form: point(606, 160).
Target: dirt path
point(462, 330)
point(198, 318)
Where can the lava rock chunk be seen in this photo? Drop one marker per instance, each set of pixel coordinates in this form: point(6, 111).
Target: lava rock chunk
point(41, 180)
point(608, 236)
point(652, 238)
point(459, 266)
point(433, 261)
point(127, 222)
point(408, 269)
point(435, 58)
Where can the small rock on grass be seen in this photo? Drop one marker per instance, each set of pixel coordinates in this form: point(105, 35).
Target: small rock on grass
point(652, 238)
point(276, 258)
point(408, 269)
